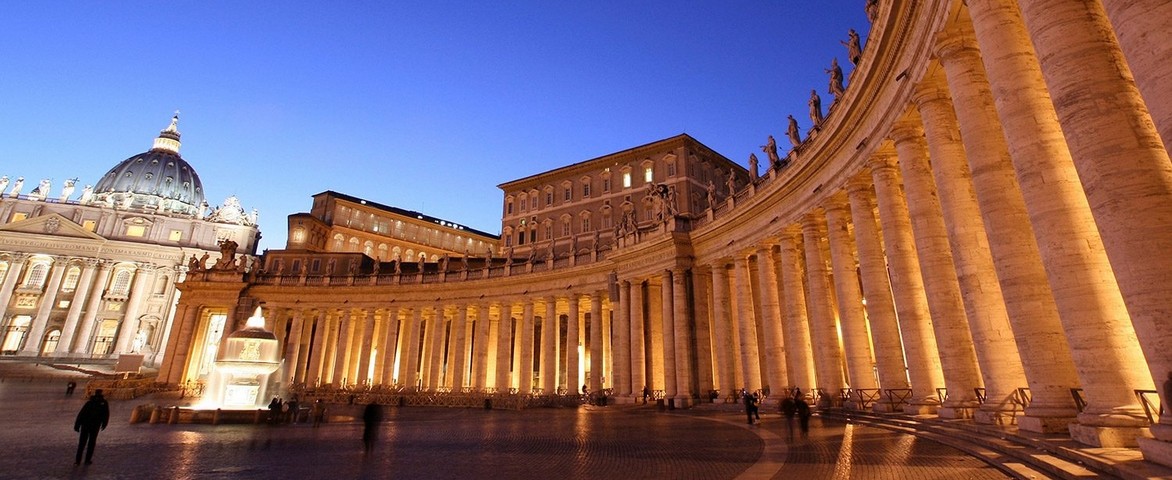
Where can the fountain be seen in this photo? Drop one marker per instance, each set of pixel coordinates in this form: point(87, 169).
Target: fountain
point(249, 356)
point(236, 387)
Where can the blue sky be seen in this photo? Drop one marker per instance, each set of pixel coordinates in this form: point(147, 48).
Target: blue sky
point(427, 106)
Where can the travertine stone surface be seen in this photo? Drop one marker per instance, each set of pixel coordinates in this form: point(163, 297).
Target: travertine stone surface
point(722, 327)
point(828, 357)
point(796, 326)
point(851, 320)
point(767, 297)
point(746, 325)
point(670, 388)
point(1144, 31)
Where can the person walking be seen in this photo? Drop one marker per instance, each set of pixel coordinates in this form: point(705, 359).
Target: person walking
point(789, 409)
point(372, 415)
point(803, 412)
point(750, 402)
point(92, 418)
point(318, 412)
point(69, 387)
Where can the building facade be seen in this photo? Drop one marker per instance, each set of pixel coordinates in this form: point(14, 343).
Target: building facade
point(975, 229)
point(93, 276)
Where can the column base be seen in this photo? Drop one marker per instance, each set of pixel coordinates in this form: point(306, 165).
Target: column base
point(921, 408)
point(1156, 451)
point(995, 417)
point(885, 407)
point(1109, 437)
point(683, 401)
point(1045, 424)
point(955, 412)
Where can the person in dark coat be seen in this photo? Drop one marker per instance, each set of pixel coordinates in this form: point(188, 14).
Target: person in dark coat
point(92, 418)
point(750, 405)
point(372, 415)
point(789, 408)
point(803, 411)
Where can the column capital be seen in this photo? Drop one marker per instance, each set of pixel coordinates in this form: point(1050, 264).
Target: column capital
point(860, 183)
point(814, 222)
point(931, 90)
point(837, 202)
point(955, 42)
point(883, 159)
point(908, 128)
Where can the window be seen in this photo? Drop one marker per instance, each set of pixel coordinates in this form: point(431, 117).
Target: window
point(509, 207)
point(549, 197)
point(176, 235)
point(71, 278)
point(626, 179)
point(566, 227)
point(298, 235)
point(533, 201)
point(606, 184)
point(586, 223)
point(548, 227)
point(89, 225)
point(671, 169)
point(585, 189)
point(648, 177)
point(135, 230)
point(36, 275)
point(16, 217)
point(569, 194)
point(521, 236)
point(522, 200)
point(121, 283)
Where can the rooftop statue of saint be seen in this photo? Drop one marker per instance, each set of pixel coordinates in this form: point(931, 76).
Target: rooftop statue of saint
point(795, 136)
point(854, 50)
point(770, 149)
point(753, 167)
point(836, 87)
point(3, 184)
point(67, 189)
point(815, 108)
point(16, 186)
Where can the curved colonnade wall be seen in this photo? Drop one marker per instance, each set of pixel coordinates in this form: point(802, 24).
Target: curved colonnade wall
point(972, 231)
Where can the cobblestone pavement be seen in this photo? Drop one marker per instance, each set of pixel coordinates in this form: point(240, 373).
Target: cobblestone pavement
point(592, 442)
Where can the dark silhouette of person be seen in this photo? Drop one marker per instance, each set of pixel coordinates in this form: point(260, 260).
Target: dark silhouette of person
point(750, 405)
point(803, 411)
point(646, 394)
point(275, 410)
point(92, 418)
point(69, 387)
point(789, 409)
point(372, 415)
point(318, 412)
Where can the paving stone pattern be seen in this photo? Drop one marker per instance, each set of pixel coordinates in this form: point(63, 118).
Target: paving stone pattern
point(591, 442)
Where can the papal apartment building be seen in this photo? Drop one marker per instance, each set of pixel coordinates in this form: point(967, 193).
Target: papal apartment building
point(93, 275)
point(976, 228)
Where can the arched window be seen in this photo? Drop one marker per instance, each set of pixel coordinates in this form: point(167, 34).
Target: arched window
point(368, 248)
point(36, 275)
point(339, 242)
point(121, 283)
point(353, 244)
point(523, 200)
point(396, 253)
point(382, 251)
point(585, 217)
point(410, 256)
point(71, 277)
point(567, 229)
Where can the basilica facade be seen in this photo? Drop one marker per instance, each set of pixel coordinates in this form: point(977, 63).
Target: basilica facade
point(975, 228)
point(92, 275)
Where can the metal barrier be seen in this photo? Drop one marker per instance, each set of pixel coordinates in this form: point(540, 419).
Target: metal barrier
point(980, 391)
point(1150, 399)
point(867, 396)
point(942, 394)
point(898, 396)
point(1080, 399)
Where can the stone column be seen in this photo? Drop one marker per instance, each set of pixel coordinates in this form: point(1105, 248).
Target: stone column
point(907, 285)
point(722, 327)
point(776, 376)
point(852, 321)
point(179, 345)
point(1091, 309)
point(144, 277)
point(701, 279)
point(1033, 312)
point(670, 386)
point(75, 306)
point(433, 370)
point(828, 358)
point(365, 325)
point(342, 374)
point(549, 347)
point(682, 335)
point(1141, 28)
point(622, 357)
point(32, 343)
point(654, 330)
point(746, 324)
point(409, 378)
point(504, 349)
point(638, 340)
point(92, 305)
point(293, 348)
point(525, 370)
point(480, 349)
point(1120, 158)
point(958, 357)
point(315, 376)
point(596, 341)
point(796, 324)
point(390, 346)
point(460, 347)
point(573, 342)
point(15, 269)
point(993, 340)
point(873, 271)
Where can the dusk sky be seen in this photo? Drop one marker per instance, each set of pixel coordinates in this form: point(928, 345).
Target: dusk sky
point(426, 106)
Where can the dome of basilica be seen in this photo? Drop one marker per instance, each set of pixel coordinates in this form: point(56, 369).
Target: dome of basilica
point(158, 179)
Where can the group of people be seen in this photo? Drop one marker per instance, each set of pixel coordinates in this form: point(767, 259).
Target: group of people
point(792, 406)
point(281, 411)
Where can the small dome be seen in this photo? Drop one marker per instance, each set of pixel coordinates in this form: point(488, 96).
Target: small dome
point(158, 179)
